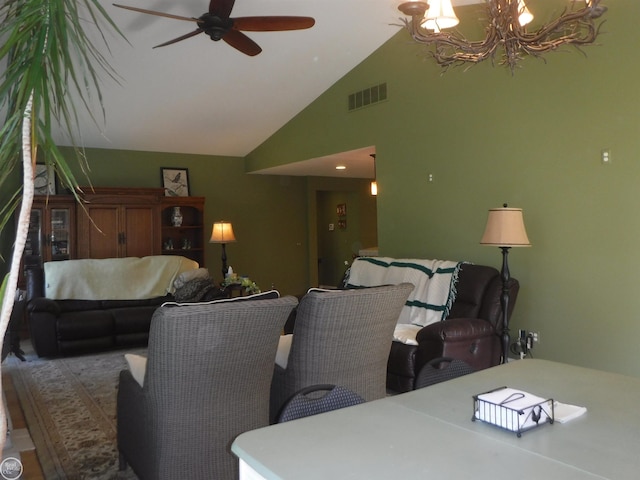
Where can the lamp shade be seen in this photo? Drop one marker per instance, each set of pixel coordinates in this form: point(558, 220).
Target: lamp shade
point(505, 228)
point(440, 15)
point(222, 232)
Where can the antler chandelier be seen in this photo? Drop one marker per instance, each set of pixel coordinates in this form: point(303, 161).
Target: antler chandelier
point(505, 31)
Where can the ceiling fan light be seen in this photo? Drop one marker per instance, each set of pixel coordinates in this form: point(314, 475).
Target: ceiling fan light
point(440, 15)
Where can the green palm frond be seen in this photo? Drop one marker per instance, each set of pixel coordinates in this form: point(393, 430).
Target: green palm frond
point(48, 53)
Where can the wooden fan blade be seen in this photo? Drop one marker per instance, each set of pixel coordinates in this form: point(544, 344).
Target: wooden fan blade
point(240, 41)
point(272, 23)
point(221, 8)
point(179, 39)
point(158, 14)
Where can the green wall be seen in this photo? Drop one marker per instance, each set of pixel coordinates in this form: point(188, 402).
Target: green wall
point(268, 212)
point(533, 140)
point(354, 188)
point(337, 247)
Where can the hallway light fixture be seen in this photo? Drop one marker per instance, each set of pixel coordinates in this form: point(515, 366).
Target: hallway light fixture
point(505, 30)
point(222, 233)
point(374, 183)
point(505, 229)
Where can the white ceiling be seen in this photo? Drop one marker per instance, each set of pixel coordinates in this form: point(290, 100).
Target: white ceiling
point(204, 97)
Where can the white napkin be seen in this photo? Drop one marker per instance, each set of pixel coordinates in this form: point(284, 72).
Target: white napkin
point(563, 412)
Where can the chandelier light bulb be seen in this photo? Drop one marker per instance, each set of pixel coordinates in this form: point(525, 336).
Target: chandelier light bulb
point(440, 15)
point(524, 15)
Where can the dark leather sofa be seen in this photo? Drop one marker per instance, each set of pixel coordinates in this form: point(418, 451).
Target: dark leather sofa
point(67, 327)
point(471, 332)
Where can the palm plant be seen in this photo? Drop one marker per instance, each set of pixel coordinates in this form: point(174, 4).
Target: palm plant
point(50, 66)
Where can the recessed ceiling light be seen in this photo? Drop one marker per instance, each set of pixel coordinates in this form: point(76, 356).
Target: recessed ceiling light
point(341, 167)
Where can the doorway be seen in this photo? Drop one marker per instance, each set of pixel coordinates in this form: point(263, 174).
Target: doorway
point(346, 224)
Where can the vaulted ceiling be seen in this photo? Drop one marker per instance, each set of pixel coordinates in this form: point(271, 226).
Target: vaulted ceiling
point(203, 97)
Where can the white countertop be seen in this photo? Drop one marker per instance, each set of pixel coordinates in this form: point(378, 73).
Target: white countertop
point(429, 432)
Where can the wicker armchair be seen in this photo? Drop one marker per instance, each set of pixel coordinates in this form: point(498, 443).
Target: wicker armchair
point(341, 337)
point(207, 380)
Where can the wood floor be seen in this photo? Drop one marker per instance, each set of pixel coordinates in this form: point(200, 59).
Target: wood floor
point(30, 463)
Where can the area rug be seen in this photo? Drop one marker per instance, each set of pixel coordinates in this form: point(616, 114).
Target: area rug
point(70, 408)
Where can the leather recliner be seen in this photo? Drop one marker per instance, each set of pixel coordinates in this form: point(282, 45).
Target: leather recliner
point(472, 331)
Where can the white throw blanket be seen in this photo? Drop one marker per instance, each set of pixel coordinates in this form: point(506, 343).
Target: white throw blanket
point(434, 282)
point(127, 278)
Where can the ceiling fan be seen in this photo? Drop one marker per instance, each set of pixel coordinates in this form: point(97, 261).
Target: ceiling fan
point(220, 26)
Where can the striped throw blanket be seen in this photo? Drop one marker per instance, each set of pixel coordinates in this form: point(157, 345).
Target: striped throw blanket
point(434, 281)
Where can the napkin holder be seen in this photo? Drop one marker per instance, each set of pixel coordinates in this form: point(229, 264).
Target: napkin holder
point(515, 411)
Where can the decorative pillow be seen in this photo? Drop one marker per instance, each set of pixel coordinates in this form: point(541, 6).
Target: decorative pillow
point(137, 366)
point(316, 289)
point(258, 296)
point(284, 347)
point(406, 333)
point(184, 277)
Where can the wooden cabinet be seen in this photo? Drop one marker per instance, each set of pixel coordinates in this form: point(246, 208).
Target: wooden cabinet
point(114, 222)
point(51, 234)
point(119, 222)
point(187, 235)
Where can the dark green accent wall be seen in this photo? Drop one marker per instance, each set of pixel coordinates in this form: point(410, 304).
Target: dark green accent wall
point(268, 213)
point(533, 140)
point(354, 187)
point(337, 247)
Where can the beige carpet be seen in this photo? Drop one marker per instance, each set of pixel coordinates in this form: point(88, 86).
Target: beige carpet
point(70, 409)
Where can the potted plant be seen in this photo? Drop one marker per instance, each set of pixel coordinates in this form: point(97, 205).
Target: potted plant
point(49, 65)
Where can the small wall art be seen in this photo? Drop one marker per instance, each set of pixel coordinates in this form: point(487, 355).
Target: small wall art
point(44, 179)
point(175, 181)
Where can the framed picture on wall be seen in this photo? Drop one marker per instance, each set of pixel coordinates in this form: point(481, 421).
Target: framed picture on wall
point(341, 209)
point(44, 179)
point(175, 181)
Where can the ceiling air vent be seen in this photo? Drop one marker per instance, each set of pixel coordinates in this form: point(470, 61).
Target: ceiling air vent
point(368, 96)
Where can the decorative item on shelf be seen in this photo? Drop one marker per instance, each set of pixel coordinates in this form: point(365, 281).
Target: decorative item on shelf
point(505, 30)
point(244, 282)
point(222, 233)
point(505, 229)
point(176, 217)
point(186, 244)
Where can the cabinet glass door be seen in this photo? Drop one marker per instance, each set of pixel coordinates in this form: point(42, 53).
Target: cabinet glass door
point(59, 237)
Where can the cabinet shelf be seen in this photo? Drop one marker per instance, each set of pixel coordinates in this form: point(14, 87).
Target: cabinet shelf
point(180, 251)
point(190, 232)
point(182, 227)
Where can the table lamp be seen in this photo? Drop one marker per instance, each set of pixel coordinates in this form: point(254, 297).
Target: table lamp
point(505, 229)
point(222, 233)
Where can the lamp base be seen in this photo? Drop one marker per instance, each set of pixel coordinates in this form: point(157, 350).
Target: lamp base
point(225, 269)
point(504, 303)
